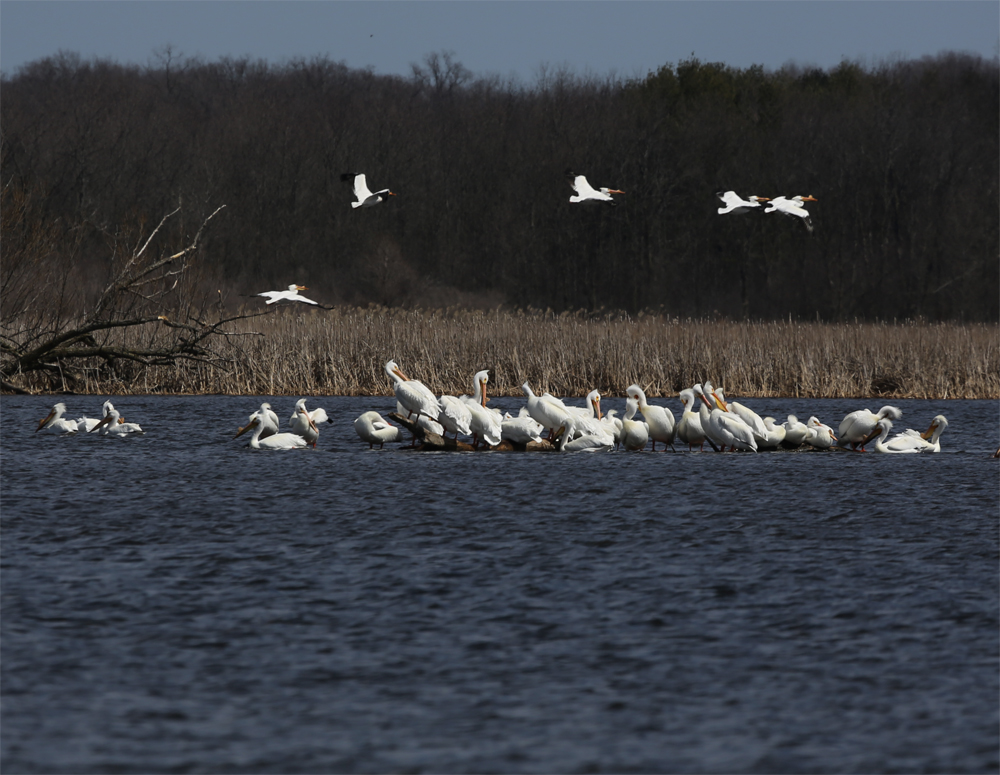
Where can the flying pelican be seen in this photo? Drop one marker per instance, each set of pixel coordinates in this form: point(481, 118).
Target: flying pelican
point(54, 423)
point(521, 429)
point(820, 435)
point(659, 419)
point(734, 204)
point(371, 427)
point(276, 441)
point(413, 395)
point(546, 413)
point(792, 206)
point(303, 422)
point(485, 423)
point(455, 416)
point(689, 428)
point(365, 197)
point(113, 425)
point(87, 424)
point(860, 424)
point(913, 441)
point(290, 295)
point(587, 193)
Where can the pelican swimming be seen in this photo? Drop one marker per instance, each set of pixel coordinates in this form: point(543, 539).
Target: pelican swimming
point(689, 428)
point(792, 207)
point(268, 419)
point(587, 193)
point(485, 423)
point(735, 204)
point(413, 395)
point(860, 424)
point(371, 427)
point(87, 424)
point(914, 441)
point(113, 425)
point(635, 434)
point(303, 422)
point(54, 423)
point(659, 419)
point(292, 294)
point(276, 441)
point(365, 197)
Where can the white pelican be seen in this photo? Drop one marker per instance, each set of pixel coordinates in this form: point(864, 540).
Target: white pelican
point(792, 206)
point(292, 294)
point(587, 193)
point(795, 433)
point(413, 395)
point(548, 414)
point(303, 421)
point(371, 427)
point(485, 423)
point(774, 437)
point(87, 424)
point(745, 413)
point(429, 425)
point(521, 429)
point(573, 438)
point(267, 418)
point(689, 428)
point(54, 423)
point(455, 416)
point(113, 425)
point(365, 197)
point(913, 441)
point(613, 426)
point(820, 435)
point(734, 204)
point(659, 419)
point(277, 441)
point(635, 434)
point(860, 424)
point(721, 427)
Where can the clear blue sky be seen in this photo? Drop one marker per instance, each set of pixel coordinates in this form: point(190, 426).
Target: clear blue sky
point(507, 38)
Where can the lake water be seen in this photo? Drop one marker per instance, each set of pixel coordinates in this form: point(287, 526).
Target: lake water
point(176, 602)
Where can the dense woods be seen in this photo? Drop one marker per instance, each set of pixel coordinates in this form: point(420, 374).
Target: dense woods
point(901, 156)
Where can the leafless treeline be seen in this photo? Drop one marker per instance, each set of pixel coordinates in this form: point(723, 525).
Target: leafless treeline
point(902, 157)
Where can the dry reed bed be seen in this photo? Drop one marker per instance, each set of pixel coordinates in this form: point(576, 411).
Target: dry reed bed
point(343, 352)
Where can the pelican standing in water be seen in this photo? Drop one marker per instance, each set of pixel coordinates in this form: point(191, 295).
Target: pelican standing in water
point(521, 429)
point(413, 395)
point(635, 434)
point(365, 198)
point(374, 429)
point(455, 416)
point(573, 438)
point(820, 435)
point(276, 441)
point(292, 294)
point(796, 433)
point(485, 423)
point(659, 419)
point(689, 428)
point(54, 423)
point(548, 414)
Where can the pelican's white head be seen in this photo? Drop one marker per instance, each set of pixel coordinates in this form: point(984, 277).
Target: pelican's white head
point(937, 426)
point(480, 379)
point(594, 400)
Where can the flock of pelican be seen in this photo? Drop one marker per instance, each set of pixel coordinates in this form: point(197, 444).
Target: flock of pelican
point(706, 417)
point(583, 192)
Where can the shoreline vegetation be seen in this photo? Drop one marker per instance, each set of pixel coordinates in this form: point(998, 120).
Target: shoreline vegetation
point(296, 351)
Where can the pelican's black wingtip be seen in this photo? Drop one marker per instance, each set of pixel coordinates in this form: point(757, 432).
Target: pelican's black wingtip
point(348, 175)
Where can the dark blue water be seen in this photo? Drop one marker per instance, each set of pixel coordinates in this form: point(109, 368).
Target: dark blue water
point(178, 603)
